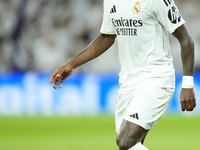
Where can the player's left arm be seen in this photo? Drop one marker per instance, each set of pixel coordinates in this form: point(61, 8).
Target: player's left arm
point(187, 96)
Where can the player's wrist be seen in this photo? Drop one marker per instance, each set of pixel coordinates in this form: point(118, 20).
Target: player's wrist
point(187, 82)
point(72, 64)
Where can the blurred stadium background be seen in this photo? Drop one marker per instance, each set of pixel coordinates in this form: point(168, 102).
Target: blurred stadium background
point(36, 37)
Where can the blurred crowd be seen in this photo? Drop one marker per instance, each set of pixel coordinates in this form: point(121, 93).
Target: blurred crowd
point(42, 35)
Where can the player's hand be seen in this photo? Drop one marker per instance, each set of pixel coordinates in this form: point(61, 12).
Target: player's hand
point(187, 99)
point(61, 74)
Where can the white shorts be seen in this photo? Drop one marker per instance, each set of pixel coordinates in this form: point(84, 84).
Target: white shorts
point(146, 104)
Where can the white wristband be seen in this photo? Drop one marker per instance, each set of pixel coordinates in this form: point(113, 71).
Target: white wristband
point(187, 82)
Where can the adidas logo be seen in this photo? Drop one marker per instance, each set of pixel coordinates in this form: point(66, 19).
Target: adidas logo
point(113, 10)
point(135, 116)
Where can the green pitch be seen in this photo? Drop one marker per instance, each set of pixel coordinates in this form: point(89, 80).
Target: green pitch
point(92, 133)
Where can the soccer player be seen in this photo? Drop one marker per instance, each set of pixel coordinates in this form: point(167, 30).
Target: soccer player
point(147, 76)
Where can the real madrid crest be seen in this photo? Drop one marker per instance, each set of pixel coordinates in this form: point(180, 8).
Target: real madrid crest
point(136, 7)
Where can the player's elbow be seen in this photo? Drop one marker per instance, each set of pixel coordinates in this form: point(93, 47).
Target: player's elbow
point(188, 42)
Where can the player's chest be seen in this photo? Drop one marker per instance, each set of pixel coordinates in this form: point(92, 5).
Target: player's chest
point(129, 9)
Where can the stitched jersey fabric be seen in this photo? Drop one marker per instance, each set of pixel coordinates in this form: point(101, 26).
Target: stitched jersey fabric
point(142, 29)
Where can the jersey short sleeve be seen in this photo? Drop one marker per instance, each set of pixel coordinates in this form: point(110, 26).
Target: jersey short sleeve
point(168, 14)
point(107, 27)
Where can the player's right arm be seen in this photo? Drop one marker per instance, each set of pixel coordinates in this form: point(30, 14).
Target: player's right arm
point(98, 46)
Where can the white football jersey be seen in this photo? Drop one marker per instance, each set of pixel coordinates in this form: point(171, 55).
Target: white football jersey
point(142, 28)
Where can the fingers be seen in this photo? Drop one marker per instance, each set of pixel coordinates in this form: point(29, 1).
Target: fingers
point(60, 74)
point(53, 75)
point(61, 83)
point(187, 99)
point(188, 105)
point(193, 104)
point(55, 78)
point(183, 106)
point(55, 81)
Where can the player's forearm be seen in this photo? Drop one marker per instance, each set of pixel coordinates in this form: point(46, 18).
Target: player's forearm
point(187, 55)
point(100, 44)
